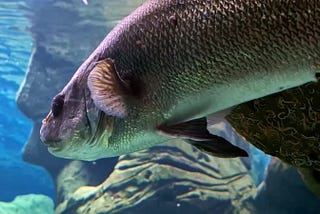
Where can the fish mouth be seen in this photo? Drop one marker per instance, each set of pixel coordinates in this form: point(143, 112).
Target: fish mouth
point(57, 145)
point(47, 139)
point(53, 145)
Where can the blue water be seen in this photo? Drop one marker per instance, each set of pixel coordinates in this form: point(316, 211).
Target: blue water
point(16, 176)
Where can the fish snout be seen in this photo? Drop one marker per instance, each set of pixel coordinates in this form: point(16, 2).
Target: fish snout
point(49, 138)
point(50, 141)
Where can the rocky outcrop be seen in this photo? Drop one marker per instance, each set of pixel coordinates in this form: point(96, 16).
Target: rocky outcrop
point(35, 152)
point(26, 204)
point(79, 173)
point(173, 178)
point(285, 192)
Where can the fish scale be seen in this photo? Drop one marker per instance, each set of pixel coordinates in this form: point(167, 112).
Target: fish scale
point(220, 41)
point(182, 60)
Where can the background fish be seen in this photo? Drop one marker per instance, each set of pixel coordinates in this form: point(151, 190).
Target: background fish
point(171, 63)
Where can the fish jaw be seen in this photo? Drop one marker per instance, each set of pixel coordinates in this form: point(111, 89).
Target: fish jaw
point(76, 139)
point(62, 136)
point(89, 150)
point(76, 125)
point(81, 131)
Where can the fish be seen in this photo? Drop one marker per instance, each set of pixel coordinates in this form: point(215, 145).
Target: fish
point(167, 66)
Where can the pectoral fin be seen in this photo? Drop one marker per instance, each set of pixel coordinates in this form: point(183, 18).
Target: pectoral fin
point(195, 132)
point(107, 90)
point(219, 147)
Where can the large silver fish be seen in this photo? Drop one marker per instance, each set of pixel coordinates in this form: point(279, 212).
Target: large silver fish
point(168, 65)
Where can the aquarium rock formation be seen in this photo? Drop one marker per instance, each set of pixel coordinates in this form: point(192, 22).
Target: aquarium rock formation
point(285, 192)
point(26, 204)
point(173, 178)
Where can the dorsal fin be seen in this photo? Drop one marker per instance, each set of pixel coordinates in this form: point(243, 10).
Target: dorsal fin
point(107, 89)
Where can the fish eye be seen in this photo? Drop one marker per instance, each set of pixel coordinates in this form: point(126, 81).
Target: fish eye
point(57, 105)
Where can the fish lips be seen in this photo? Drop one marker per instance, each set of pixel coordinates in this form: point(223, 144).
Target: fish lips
point(48, 138)
point(58, 140)
point(48, 135)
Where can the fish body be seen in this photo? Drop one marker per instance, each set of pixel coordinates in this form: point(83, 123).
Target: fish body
point(174, 61)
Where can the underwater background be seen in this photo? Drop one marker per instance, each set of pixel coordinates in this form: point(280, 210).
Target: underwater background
point(17, 177)
point(41, 45)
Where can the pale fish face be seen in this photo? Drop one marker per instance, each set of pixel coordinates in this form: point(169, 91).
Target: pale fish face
point(75, 128)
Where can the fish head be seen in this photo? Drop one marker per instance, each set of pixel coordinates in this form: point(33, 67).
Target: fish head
point(75, 128)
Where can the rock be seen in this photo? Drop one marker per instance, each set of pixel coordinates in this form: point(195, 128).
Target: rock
point(285, 192)
point(79, 173)
point(62, 40)
point(46, 75)
point(174, 178)
point(35, 152)
point(257, 161)
point(312, 178)
point(26, 204)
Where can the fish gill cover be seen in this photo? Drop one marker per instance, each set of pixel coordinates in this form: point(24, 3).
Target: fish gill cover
point(16, 177)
